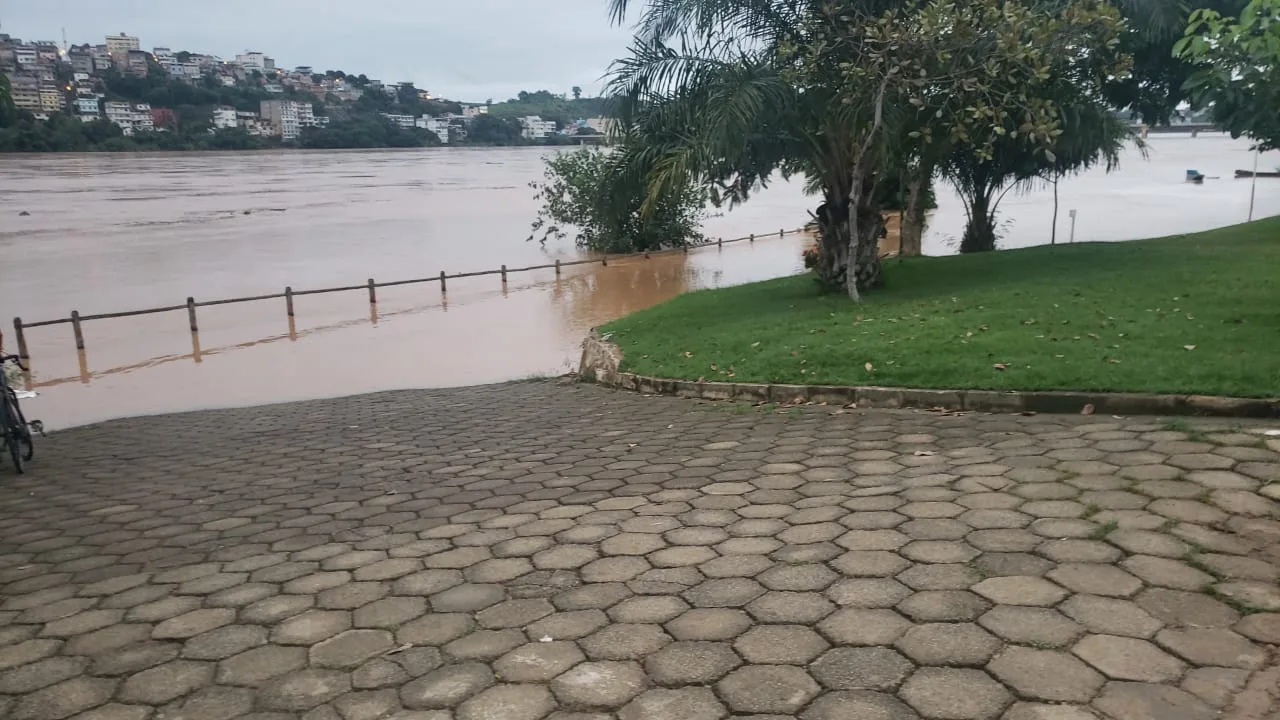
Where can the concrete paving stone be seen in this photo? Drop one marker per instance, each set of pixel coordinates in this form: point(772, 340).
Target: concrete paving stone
point(1146, 701)
point(274, 609)
point(224, 642)
point(156, 611)
point(116, 711)
point(164, 683)
point(1038, 627)
point(1081, 551)
point(1048, 675)
point(446, 687)
point(681, 704)
point(351, 648)
point(389, 613)
point(1163, 572)
point(1212, 646)
point(868, 592)
point(1007, 564)
point(435, 629)
point(1020, 590)
point(600, 685)
point(707, 624)
point(310, 627)
point(29, 678)
point(1180, 608)
point(943, 606)
point(955, 694)
point(1233, 567)
point(861, 668)
point(64, 699)
point(1127, 658)
point(1044, 711)
point(691, 663)
point(724, 592)
point(514, 613)
point(863, 540)
point(870, 563)
point(569, 625)
point(863, 627)
point(134, 658)
point(1111, 616)
point(538, 661)
point(1140, 542)
point(939, 551)
point(648, 609)
point(106, 639)
point(624, 641)
point(943, 529)
point(780, 645)
point(508, 702)
point(483, 645)
point(1215, 686)
point(1260, 627)
point(948, 644)
point(1095, 579)
point(857, 705)
point(469, 597)
point(781, 689)
point(1251, 594)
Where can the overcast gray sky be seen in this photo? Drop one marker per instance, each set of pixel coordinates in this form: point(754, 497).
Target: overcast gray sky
point(461, 49)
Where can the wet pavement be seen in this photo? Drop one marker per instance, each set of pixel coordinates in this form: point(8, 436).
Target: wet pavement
point(540, 550)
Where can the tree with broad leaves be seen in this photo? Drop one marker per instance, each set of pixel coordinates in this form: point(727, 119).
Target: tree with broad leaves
point(731, 93)
point(1238, 69)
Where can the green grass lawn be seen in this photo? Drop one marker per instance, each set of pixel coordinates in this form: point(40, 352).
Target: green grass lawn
point(1185, 314)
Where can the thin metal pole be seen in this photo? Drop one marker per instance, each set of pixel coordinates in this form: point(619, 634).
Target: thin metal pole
point(443, 288)
point(751, 238)
point(21, 339)
point(557, 268)
point(373, 293)
point(288, 300)
point(1072, 239)
point(1253, 190)
point(191, 314)
point(781, 232)
point(1053, 234)
point(75, 328)
point(504, 274)
point(605, 261)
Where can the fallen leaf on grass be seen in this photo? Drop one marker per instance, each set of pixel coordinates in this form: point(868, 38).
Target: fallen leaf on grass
point(1188, 347)
point(1000, 366)
point(755, 344)
point(688, 354)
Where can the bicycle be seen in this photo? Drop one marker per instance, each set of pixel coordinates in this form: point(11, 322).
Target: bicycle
point(15, 431)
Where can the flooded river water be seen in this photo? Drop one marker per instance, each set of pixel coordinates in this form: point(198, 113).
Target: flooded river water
point(106, 233)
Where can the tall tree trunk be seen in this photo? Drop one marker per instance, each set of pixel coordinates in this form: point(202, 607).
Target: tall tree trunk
point(865, 225)
point(911, 231)
point(833, 242)
point(980, 233)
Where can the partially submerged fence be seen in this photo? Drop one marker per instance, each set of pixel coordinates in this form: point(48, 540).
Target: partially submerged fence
point(76, 320)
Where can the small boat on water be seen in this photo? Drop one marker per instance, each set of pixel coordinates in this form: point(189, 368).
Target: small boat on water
point(1250, 173)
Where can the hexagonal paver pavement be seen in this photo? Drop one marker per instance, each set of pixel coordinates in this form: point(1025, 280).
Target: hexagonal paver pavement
point(541, 551)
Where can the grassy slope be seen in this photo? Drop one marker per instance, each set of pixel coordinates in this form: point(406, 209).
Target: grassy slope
point(1097, 316)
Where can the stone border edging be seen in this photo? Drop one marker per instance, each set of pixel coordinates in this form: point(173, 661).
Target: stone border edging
point(601, 360)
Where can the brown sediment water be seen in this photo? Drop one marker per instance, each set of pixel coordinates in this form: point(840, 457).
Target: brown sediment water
point(107, 233)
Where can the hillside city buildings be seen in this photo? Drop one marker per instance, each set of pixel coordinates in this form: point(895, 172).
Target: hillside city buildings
point(46, 77)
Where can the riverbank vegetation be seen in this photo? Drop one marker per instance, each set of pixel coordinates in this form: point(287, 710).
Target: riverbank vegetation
point(988, 95)
point(1187, 314)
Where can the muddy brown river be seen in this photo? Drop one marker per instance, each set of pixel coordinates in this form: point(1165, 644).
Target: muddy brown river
point(106, 233)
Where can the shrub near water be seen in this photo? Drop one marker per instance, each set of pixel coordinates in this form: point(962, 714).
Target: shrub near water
point(1187, 314)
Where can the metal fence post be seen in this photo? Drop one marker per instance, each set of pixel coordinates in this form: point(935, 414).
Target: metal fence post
point(191, 314)
point(288, 300)
point(75, 328)
point(504, 274)
point(21, 339)
point(373, 293)
point(443, 287)
point(751, 237)
point(557, 268)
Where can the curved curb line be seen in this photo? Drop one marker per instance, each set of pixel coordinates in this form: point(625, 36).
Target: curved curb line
point(601, 360)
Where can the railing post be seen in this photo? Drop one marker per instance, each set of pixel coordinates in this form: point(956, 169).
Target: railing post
point(21, 339)
point(752, 238)
point(720, 243)
point(191, 314)
point(75, 328)
point(557, 268)
point(605, 261)
point(443, 287)
point(288, 300)
point(504, 274)
point(373, 293)
point(781, 232)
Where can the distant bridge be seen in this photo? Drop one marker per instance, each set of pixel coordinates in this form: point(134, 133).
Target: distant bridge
point(1193, 128)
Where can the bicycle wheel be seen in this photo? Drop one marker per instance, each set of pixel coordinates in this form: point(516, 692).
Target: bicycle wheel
point(11, 435)
point(24, 430)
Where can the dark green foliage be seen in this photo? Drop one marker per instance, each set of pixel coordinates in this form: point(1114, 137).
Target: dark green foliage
point(550, 107)
point(366, 132)
point(575, 193)
point(493, 130)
